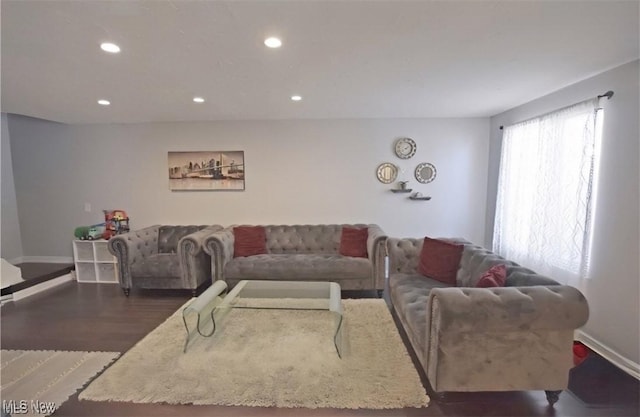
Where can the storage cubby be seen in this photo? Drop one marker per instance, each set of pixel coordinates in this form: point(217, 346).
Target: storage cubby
point(107, 272)
point(85, 272)
point(94, 262)
point(102, 253)
point(83, 251)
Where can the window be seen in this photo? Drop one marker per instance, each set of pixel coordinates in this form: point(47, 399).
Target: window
point(546, 190)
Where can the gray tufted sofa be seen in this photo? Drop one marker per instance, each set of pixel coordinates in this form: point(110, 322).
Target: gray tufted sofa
point(301, 253)
point(163, 257)
point(517, 337)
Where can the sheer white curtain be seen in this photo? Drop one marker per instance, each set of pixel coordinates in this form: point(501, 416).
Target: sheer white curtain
point(545, 190)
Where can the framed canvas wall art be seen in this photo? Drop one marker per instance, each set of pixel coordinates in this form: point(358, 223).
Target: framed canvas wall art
point(206, 170)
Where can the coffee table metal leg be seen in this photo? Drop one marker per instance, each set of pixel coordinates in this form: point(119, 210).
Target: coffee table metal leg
point(213, 330)
point(335, 306)
point(337, 338)
point(209, 299)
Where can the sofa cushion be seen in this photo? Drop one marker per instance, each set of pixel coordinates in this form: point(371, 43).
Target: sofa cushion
point(169, 236)
point(157, 265)
point(303, 267)
point(440, 260)
point(353, 242)
point(249, 240)
point(493, 277)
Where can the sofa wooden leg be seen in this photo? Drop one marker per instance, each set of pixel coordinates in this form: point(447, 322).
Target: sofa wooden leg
point(126, 291)
point(553, 396)
point(193, 292)
point(380, 293)
point(440, 397)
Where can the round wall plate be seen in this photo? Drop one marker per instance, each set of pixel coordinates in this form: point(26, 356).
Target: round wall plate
point(425, 172)
point(405, 148)
point(387, 173)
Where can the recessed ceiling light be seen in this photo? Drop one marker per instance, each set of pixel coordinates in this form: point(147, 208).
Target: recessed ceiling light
point(198, 99)
point(104, 102)
point(110, 47)
point(296, 98)
point(273, 42)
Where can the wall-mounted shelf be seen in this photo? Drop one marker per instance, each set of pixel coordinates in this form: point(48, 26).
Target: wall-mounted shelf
point(425, 198)
point(401, 190)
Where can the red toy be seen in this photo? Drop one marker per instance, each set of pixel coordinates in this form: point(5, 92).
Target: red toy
point(116, 222)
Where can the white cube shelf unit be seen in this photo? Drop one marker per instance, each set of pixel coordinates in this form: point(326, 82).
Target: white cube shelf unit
point(94, 262)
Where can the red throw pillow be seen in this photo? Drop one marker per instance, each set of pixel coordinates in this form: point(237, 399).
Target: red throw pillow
point(440, 260)
point(494, 277)
point(249, 240)
point(353, 242)
point(580, 353)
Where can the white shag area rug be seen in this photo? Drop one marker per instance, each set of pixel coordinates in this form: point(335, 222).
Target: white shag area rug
point(271, 358)
point(37, 382)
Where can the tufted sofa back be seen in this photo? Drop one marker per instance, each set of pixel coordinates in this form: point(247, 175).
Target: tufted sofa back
point(404, 255)
point(169, 236)
point(476, 260)
point(292, 239)
point(143, 243)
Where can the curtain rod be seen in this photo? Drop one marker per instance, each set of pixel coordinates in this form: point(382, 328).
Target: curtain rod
point(608, 95)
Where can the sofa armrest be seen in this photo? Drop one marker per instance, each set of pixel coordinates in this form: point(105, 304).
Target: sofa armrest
point(131, 247)
point(195, 264)
point(507, 338)
point(219, 245)
point(509, 308)
point(376, 243)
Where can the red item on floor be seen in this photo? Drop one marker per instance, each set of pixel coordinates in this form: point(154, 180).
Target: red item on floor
point(580, 353)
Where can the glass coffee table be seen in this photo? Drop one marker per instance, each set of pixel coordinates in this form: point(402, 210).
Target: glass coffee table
point(200, 315)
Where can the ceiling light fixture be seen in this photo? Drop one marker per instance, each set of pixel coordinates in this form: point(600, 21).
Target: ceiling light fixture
point(296, 98)
point(104, 102)
point(110, 47)
point(198, 99)
point(273, 42)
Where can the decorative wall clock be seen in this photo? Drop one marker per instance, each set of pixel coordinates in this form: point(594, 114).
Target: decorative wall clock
point(405, 148)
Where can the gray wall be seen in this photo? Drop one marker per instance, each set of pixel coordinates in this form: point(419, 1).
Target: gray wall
point(314, 171)
point(614, 287)
point(11, 244)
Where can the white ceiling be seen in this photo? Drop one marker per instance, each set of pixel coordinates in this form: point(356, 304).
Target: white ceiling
point(347, 59)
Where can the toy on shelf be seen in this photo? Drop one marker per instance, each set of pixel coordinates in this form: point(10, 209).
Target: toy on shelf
point(94, 232)
point(81, 232)
point(116, 222)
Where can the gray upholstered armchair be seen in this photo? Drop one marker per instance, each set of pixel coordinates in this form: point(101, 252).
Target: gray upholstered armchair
point(163, 257)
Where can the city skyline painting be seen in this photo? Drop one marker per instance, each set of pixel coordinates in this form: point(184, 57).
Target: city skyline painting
point(206, 170)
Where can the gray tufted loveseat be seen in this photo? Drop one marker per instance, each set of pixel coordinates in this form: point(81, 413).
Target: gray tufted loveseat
point(301, 253)
point(163, 257)
point(517, 337)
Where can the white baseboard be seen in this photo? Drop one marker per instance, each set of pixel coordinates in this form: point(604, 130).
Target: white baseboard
point(5, 299)
point(609, 354)
point(16, 261)
point(27, 292)
point(42, 259)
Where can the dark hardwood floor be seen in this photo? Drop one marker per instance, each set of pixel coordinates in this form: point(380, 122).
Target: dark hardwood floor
point(99, 317)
